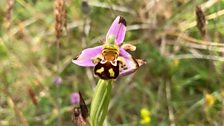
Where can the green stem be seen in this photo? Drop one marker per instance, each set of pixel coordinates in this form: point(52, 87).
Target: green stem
point(105, 104)
point(100, 102)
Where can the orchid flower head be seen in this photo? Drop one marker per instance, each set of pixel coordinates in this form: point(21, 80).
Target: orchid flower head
point(111, 60)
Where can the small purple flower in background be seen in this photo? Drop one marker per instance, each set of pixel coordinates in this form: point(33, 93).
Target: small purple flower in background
point(75, 98)
point(111, 60)
point(57, 80)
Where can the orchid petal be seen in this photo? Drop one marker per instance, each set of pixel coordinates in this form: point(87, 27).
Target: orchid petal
point(118, 29)
point(128, 47)
point(131, 63)
point(85, 58)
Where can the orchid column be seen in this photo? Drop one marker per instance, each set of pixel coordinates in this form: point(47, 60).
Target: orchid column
point(110, 61)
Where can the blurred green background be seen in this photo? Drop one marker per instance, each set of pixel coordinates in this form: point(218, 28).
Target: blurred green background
point(182, 83)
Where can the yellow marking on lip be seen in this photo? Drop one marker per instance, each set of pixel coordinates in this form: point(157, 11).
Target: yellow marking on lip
point(100, 70)
point(111, 71)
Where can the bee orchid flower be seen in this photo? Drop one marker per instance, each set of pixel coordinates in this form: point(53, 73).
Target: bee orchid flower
point(111, 59)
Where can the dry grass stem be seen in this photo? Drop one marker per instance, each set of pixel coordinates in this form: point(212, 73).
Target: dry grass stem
point(208, 4)
point(198, 56)
point(197, 46)
point(190, 39)
point(8, 13)
point(113, 7)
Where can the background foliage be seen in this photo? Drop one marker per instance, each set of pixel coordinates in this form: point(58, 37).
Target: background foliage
point(181, 84)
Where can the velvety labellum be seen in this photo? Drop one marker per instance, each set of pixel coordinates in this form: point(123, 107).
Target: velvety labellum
point(107, 69)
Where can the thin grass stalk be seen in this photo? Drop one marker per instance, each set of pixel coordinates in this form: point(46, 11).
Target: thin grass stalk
point(168, 99)
point(60, 23)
